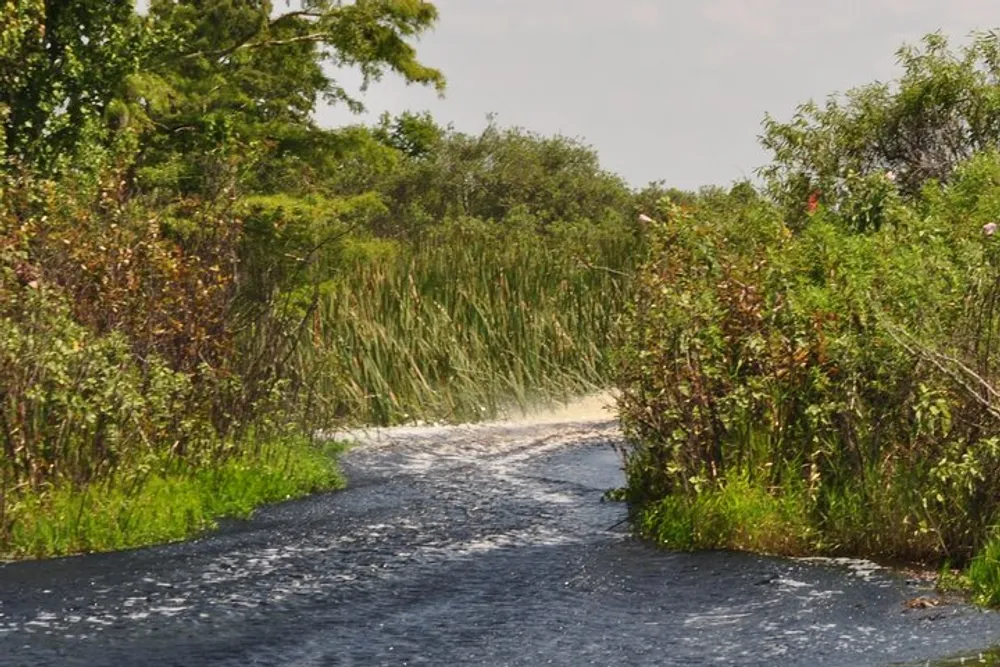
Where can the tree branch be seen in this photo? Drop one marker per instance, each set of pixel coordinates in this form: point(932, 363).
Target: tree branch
point(312, 37)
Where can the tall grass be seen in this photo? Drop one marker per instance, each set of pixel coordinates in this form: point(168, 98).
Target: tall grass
point(472, 319)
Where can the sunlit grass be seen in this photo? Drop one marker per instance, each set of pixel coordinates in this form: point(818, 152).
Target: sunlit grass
point(741, 515)
point(167, 505)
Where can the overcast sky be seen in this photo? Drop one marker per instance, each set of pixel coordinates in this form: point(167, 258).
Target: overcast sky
point(664, 89)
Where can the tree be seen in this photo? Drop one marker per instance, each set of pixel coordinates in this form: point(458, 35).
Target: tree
point(943, 109)
point(504, 175)
point(208, 78)
point(61, 63)
point(244, 79)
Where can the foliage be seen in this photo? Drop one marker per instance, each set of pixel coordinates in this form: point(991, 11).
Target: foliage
point(191, 268)
point(828, 370)
point(61, 64)
point(155, 276)
point(238, 89)
point(855, 367)
point(508, 176)
point(857, 148)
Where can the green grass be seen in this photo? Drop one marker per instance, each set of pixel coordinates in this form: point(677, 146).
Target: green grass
point(743, 514)
point(740, 515)
point(983, 574)
point(167, 505)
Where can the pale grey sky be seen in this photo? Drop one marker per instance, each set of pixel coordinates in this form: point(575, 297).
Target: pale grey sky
point(668, 89)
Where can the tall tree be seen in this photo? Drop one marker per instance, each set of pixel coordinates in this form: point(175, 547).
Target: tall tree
point(244, 77)
point(61, 63)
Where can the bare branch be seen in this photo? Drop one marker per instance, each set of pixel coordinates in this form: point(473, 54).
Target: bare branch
point(963, 376)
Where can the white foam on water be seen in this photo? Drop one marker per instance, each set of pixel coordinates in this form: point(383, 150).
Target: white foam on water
point(864, 569)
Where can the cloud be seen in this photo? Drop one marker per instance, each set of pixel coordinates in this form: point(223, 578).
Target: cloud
point(790, 19)
point(555, 16)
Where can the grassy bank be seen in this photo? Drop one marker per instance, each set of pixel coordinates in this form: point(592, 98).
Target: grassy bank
point(166, 504)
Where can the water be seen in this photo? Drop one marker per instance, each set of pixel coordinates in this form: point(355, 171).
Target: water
point(482, 545)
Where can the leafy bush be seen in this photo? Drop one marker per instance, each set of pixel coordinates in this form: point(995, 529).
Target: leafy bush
point(822, 360)
point(858, 367)
point(941, 111)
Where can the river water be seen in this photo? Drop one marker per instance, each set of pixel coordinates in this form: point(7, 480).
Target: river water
point(479, 545)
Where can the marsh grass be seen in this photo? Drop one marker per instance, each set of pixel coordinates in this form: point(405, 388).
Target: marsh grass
point(473, 320)
point(171, 503)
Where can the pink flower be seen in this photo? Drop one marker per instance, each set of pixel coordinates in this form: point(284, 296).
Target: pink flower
point(890, 176)
point(990, 228)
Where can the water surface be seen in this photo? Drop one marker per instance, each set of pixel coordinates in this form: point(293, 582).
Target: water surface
point(484, 545)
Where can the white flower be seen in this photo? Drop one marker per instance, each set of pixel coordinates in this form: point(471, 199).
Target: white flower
point(645, 218)
point(890, 176)
point(990, 228)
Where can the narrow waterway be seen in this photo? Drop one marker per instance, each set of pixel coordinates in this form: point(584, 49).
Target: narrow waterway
point(482, 545)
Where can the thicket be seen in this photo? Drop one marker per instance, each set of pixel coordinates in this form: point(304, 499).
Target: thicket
point(194, 276)
point(813, 368)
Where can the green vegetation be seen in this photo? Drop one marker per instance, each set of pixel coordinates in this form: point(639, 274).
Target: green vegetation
point(814, 368)
point(435, 332)
point(195, 277)
point(156, 505)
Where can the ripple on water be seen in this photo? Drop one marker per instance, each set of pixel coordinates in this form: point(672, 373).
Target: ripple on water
point(485, 545)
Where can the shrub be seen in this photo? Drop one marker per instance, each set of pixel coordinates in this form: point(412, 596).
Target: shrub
point(920, 128)
point(856, 366)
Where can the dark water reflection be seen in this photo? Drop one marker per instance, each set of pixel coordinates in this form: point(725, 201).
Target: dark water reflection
point(476, 546)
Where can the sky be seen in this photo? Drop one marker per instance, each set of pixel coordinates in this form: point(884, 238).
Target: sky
point(671, 90)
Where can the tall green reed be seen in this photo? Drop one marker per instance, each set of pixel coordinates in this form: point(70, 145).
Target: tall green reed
point(472, 319)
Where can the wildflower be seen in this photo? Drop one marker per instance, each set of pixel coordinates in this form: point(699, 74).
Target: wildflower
point(990, 228)
point(890, 176)
point(645, 218)
point(813, 202)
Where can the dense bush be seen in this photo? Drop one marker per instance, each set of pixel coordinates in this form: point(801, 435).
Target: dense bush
point(149, 306)
point(194, 276)
point(814, 369)
point(938, 114)
point(836, 387)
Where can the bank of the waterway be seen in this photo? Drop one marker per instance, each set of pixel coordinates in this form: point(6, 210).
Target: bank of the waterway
point(483, 545)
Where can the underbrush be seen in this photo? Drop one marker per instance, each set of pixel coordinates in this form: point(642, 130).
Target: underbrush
point(130, 410)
